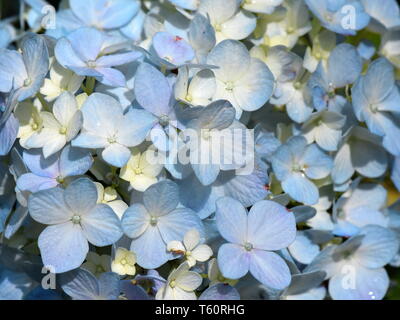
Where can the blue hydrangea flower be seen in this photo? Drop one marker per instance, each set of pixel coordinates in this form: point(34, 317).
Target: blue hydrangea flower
point(89, 52)
point(171, 51)
point(324, 128)
point(342, 68)
point(219, 116)
point(360, 151)
point(74, 218)
point(363, 204)
point(106, 127)
point(376, 101)
point(159, 102)
point(355, 268)
point(24, 72)
point(295, 163)
point(252, 238)
point(156, 222)
point(245, 82)
point(50, 172)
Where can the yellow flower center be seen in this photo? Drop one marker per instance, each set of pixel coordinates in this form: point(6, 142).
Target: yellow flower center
point(27, 82)
point(63, 130)
point(153, 221)
point(76, 219)
point(229, 86)
point(91, 64)
point(248, 246)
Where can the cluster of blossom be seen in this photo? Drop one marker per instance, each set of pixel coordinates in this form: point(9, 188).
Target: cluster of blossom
point(113, 184)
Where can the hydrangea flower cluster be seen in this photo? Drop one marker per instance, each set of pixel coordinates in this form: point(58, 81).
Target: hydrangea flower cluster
point(200, 149)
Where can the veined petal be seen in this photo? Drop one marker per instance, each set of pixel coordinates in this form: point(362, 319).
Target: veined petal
point(101, 226)
point(63, 247)
point(233, 261)
point(270, 226)
point(270, 269)
point(231, 219)
point(49, 207)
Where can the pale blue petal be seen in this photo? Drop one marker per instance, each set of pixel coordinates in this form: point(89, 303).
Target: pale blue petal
point(369, 160)
point(135, 220)
point(391, 101)
point(81, 196)
point(176, 224)
point(363, 216)
point(75, 161)
point(101, 226)
point(87, 43)
point(80, 284)
point(255, 88)
point(41, 166)
point(8, 135)
point(344, 65)
point(231, 219)
point(282, 161)
point(298, 109)
point(270, 269)
point(33, 183)
point(270, 226)
point(233, 261)
point(379, 80)
point(109, 285)
point(119, 14)
point(318, 163)
point(89, 141)
point(66, 55)
point(342, 167)
point(97, 111)
point(161, 198)
point(378, 247)
point(155, 101)
point(135, 127)
point(36, 58)
point(116, 155)
point(396, 173)
point(63, 247)
point(173, 49)
point(151, 250)
point(117, 59)
point(370, 284)
point(301, 189)
point(386, 12)
point(206, 173)
point(13, 70)
point(49, 207)
point(86, 11)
